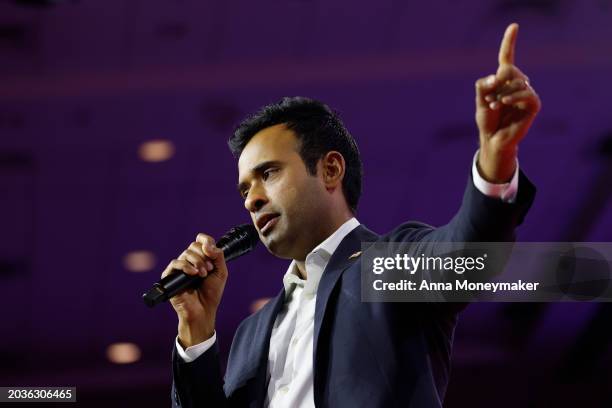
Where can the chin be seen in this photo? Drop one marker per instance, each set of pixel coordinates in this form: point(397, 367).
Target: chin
point(273, 248)
point(274, 245)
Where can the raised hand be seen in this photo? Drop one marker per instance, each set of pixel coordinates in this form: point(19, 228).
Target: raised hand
point(506, 105)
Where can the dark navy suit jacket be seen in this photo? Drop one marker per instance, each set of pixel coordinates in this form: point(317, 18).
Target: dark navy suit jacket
point(366, 355)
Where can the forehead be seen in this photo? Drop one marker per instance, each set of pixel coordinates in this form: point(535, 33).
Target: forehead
point(272, 143)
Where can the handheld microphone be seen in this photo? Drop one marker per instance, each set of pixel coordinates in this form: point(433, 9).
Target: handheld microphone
point(236, 242)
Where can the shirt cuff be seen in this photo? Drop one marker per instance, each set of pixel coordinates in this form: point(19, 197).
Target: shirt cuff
point(505, 191)
point(191, 353)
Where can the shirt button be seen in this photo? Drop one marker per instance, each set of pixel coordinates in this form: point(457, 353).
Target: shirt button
point(309, 296)
point(294, 341)
point(283, 390)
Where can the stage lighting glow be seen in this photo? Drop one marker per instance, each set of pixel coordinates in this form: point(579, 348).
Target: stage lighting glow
point(156, 150)
point(139, 261)
point(123, 353)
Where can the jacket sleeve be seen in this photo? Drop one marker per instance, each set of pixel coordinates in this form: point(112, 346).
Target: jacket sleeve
point(484, 219)
point(198, 383)
point(479, 219)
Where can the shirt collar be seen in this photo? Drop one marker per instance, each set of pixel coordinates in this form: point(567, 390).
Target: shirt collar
point(319, 257)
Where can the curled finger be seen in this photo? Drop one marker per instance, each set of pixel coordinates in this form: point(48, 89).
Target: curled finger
point(522, 99)
point(484, 87)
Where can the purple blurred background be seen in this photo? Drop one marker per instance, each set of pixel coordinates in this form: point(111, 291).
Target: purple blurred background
point(85, 85)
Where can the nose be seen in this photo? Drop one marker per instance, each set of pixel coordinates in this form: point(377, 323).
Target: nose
point(256, 198)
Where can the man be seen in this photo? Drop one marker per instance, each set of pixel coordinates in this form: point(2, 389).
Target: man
point(316, 343)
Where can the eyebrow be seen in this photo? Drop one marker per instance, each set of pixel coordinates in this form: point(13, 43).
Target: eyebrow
point(260, 168)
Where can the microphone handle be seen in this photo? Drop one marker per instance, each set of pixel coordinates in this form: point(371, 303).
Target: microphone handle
point(238, 241)
point(176, 282)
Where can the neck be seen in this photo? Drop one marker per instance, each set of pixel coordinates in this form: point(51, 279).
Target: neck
point(301, 263)
point(301, 269)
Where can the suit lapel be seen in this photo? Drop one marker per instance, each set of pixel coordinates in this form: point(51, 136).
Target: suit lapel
point(344, 256)
point(262, 343)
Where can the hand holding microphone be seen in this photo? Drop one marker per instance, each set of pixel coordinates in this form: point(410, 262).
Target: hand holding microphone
point(194, 282)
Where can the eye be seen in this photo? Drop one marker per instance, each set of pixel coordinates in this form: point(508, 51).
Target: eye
point(267, 173)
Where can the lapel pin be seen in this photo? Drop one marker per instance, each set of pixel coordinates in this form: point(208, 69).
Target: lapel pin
point(355, 255)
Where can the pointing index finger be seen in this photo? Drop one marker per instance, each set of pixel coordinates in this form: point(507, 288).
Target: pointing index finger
point(506, 50)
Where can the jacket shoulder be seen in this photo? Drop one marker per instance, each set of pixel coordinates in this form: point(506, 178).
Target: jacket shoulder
point(408, 231)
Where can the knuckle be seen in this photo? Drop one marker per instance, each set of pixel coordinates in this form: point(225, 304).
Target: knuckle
point(203, 238)
point(198, 261)
point(189, 269)
point(208, 247)
point(174, 264)
point(506, 71)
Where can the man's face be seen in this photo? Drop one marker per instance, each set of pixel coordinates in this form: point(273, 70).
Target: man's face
point(286, 203)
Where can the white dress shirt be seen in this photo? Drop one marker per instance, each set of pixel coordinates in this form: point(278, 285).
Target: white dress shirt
point(290, 357)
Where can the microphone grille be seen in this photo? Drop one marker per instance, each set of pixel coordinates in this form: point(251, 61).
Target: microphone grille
point(238, 241)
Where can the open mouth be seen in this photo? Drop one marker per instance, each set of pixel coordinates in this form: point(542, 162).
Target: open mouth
point(267, 222)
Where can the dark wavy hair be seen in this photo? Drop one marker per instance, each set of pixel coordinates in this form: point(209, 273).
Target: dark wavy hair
point(319, 130)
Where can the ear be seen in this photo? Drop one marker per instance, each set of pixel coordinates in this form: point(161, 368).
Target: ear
point(333, 168)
